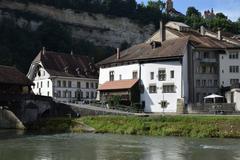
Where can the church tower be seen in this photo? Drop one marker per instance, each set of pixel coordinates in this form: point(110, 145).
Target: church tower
point(169, 5)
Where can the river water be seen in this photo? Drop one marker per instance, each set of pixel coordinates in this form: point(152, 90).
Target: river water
point(15, 145)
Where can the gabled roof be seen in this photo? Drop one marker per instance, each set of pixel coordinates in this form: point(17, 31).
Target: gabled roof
point(118, 85)
point(144, 51)
point(11, 75)
point(67, 65)
point(207, 42)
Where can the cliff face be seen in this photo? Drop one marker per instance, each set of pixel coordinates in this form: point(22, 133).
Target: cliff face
point(97, 28)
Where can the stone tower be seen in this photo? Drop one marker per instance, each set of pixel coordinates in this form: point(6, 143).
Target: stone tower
point(169, 5)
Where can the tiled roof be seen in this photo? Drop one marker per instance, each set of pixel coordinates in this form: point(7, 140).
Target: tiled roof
point(200, 41)
point(118, 85)
point(11, 75)
point(143, 51)
point(67, 65)
point(170, 48)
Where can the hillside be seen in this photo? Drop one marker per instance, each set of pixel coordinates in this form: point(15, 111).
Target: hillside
point(89, 32)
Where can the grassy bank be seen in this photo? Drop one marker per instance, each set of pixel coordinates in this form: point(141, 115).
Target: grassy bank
point(187, 126)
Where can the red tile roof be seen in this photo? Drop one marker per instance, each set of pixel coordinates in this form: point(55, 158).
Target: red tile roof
point(11, 75)
point(118, 85)
point(67, 65)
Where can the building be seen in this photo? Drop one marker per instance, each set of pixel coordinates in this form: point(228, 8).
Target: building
point(65, 77)
point(209, 14)
point(170, 10)
point(13, 82)
point(176, 63)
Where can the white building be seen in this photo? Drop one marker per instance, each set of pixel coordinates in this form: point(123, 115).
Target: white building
point(176, 63)
point(65, 77)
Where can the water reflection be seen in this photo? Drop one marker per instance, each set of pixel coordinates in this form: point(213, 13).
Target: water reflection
point(113, 147)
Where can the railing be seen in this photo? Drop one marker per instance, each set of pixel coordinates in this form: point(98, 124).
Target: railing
point(218, 108)
point(131, 109)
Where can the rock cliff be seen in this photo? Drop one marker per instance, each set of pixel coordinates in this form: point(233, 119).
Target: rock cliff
point(100, 29)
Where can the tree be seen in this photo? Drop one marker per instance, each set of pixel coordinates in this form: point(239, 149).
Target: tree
point(221, 16)
point(53, 35)
point(192, 11)
point(158, 5)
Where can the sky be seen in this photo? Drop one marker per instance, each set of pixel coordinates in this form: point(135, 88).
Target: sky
point(230, 8)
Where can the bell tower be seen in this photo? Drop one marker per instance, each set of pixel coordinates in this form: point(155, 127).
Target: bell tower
point(169, 5)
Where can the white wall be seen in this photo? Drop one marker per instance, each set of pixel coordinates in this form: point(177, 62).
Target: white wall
point(225, 62)
point(152, 100)
point(74, 88)
point(43, 79)
point(126, 72)
point(42, 88)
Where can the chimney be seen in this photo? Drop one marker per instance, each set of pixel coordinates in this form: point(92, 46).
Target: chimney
point(118, 53)
point(43, 50)
point(71, 52)
point(162, 31)
point(219, 34)
point(202, 30)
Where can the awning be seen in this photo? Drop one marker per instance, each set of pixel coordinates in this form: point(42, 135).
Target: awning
point(213, 96)
point(118, 85)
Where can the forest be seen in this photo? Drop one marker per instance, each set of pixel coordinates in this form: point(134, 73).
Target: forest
point(18, 46)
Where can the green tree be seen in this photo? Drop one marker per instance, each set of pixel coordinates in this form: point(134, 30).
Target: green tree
point(221, 16)
point(192, 11)
point(159, 4)
point(55, 36)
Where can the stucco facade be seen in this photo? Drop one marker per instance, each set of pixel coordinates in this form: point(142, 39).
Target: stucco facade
point(148, 74)
point(229, 67)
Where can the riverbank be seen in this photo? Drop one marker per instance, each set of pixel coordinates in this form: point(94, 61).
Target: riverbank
point(186, 126)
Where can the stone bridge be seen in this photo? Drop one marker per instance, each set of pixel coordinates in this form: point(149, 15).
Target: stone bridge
point(19, 110)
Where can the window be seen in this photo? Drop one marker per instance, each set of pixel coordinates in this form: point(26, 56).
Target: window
point(96, 85)
point(215, 83)
point(233, 56)
point(172, 74)
point(210, 83)
point(152, 89)
point(87, 85)
point(234, 69)
point(69, 84)
point(64, 84)
point(120, 77)
point(111, 76)
point(58, 93)
point(152, 75)
point(135, 75)
point(164, 104)
point(43, 73)
point(64, 94)
point(78, 84)
point(92, 95)
point(41, 84)
point(204, 83)
point(69, 94)
point(205, 55)
point(48, 94)
point(59, 83)
point(92, 85)
point(162, 75)
point(198, 83)
point(48, 84)
point(87, 94)
point(37, 85)
point(168, 89)
point(234, 81)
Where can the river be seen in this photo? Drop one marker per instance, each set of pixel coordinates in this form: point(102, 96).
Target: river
point(16, 145)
